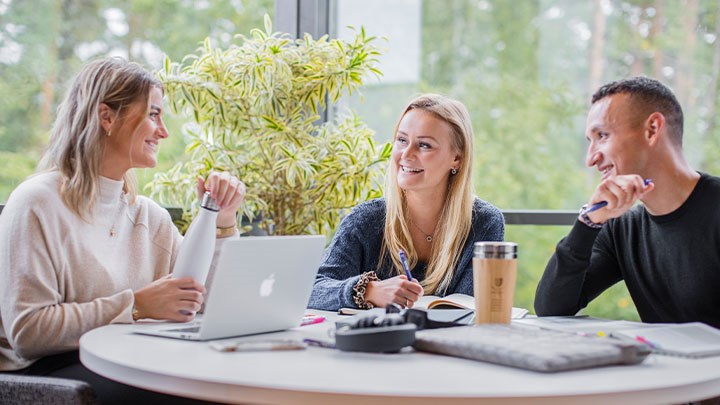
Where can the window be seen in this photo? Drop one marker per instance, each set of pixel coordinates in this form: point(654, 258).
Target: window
point(525, 69)
point(44, 43)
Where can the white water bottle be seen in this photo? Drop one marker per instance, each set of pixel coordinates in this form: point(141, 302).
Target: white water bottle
point(198, 246)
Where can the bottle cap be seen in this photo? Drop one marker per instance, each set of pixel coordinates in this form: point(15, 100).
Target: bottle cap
point(495, 250)
point(209, 203)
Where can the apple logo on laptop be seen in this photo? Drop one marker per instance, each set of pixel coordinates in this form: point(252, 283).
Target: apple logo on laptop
point(267, 285)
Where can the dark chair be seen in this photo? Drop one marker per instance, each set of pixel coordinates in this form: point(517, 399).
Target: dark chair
point(18, 389)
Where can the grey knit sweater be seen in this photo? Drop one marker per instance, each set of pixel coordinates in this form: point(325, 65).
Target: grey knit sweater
point(355, 249)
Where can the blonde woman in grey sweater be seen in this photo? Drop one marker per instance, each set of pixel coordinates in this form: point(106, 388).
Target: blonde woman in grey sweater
point(79, 248)
point(428, 210)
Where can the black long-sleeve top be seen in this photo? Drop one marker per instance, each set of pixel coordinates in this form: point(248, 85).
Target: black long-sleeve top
point(670, 263)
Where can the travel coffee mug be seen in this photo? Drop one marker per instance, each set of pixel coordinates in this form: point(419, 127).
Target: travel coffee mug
point(494, 275)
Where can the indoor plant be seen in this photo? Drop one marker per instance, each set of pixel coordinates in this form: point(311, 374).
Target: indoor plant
point(254, 109)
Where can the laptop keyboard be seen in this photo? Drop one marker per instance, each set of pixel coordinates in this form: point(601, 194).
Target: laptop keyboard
point(529, 348)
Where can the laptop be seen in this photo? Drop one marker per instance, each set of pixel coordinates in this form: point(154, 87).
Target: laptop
point(261, 284)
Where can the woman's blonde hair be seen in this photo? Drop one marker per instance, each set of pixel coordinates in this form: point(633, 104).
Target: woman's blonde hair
point(76, 142)
point(456, 217)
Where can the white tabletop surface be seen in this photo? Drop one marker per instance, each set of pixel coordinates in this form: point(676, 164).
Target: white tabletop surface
point(325, 376)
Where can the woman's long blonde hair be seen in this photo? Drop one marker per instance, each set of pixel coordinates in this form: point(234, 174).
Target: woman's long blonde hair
point(455, 219)
point(76, 142)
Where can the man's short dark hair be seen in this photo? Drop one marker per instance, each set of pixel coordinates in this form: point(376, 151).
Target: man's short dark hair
point(653, 96)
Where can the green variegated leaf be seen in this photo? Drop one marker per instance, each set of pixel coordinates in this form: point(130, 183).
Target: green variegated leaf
point(256, 106)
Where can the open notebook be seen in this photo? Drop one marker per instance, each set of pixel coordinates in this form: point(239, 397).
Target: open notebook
point(694, 339)
point(458, 301)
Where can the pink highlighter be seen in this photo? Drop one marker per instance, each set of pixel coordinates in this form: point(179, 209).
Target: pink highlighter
point(311, 319)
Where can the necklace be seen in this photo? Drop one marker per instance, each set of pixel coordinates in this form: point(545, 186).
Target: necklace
point(428, 236)
point(118, 216)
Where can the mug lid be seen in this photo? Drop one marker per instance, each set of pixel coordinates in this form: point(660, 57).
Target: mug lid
point(496, 250)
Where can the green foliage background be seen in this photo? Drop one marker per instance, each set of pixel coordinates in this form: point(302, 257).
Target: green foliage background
point(524, 69)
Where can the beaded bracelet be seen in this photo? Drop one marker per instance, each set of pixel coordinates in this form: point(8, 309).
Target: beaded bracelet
point(361, 287)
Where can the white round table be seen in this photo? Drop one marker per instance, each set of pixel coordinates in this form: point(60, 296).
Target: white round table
point(327, 376)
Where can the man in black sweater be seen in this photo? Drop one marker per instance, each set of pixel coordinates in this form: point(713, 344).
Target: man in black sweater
point(667, 249)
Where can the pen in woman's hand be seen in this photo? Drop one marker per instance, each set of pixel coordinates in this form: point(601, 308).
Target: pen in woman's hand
point(404, 262)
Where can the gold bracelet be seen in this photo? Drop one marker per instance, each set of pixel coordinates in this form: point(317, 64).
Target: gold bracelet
point(135, 314)
point(225, 232)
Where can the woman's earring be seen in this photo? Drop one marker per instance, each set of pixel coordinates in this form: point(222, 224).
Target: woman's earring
point(453, 171)
point(109, 133)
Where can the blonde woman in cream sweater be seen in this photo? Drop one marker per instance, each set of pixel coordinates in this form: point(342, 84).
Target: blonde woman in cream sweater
point(79, 248)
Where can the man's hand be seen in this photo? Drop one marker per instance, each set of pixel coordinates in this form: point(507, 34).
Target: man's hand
point(620, 193)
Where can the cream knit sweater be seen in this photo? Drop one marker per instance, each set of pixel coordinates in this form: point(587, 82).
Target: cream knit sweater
point(61, 276)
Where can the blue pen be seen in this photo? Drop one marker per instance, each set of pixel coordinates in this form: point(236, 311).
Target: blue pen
point(601, 204)
point(403, 260)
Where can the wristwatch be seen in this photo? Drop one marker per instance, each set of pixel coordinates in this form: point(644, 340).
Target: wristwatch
point(585, 219)
point(135, 314)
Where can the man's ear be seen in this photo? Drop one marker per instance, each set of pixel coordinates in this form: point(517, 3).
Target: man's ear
point(107, 116)
point(654, 125)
